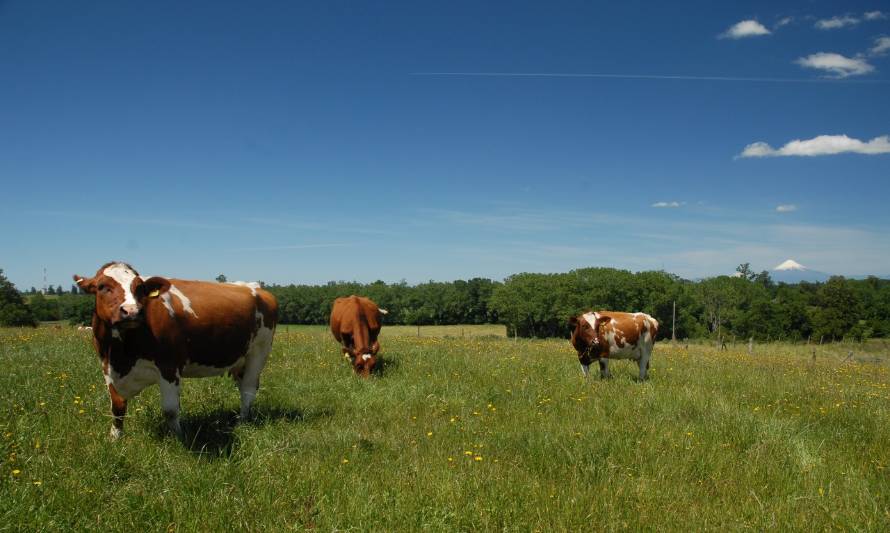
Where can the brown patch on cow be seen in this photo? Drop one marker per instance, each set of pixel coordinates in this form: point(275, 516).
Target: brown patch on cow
point(356, 323)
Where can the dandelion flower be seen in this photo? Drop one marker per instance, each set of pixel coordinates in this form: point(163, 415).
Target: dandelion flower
point(17, 472)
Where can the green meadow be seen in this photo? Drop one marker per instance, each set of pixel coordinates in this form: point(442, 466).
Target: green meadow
point(463, 429)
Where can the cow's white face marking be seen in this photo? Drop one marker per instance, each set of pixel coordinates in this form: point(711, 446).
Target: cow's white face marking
point(122, 274)
point(591, 319)
point(366, 356)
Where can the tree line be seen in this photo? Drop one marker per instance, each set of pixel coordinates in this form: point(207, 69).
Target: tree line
point(539, 305)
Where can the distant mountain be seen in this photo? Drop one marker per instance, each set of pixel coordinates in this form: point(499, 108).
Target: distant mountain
point(791, 271)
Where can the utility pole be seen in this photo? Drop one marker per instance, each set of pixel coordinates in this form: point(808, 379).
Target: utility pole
point(674, 323)
point(44, 280)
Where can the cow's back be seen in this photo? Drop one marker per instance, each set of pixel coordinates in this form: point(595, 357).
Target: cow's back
point(213, 323)
point(629, 334)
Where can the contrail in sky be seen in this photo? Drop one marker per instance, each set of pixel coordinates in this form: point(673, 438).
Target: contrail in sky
point(638, 77)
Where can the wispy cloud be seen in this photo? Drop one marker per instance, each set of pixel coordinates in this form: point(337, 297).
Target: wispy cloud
point(881, 46)
point(836, 65)
point(745, 28)
point(570, 75)
point(786, 208)
point(276, 247)
point(667, 204)
point(783, 22)
point(874, 15)
point(128, 220)
point(837, 22)
point(517, 219)
point(821, 145)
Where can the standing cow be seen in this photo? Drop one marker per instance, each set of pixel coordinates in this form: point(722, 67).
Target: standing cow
point(608, 335)
point(159, 330)
point(355, 323)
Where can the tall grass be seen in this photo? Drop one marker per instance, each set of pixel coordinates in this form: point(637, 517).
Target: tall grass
point(460, 433)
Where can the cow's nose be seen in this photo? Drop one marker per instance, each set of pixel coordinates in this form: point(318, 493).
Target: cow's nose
point(129, 311)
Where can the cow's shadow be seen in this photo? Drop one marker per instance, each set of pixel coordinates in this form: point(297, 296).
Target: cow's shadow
point(212, 435)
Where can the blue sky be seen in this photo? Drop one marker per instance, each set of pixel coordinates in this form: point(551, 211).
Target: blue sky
point(305, 142)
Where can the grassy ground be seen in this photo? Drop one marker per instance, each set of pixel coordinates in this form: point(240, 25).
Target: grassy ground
point(461, 433)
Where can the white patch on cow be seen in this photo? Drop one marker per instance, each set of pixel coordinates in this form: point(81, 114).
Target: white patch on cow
point(252, 285)
point(591, 319)
point(143, 374)
point(196, 370)
point(124, 276)
point(183, 299)
point(585, 369)
point(116, 433)
point(168, 303)
point(383, 311)
point(366, 356)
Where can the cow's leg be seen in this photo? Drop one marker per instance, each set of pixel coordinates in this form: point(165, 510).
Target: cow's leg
point(604, 368)
point(253, 365)
point(170, 404)
point(118, 411)
point(585, 369)
point(644, 364)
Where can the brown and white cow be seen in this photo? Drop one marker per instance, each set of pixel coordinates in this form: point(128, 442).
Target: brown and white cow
point(355, 323)
point(159, 330)
point(605, 335)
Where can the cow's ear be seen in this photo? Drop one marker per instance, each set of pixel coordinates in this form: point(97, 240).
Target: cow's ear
point(601, 320)
point(87, 285)
point(573, 322)
point(155, 286)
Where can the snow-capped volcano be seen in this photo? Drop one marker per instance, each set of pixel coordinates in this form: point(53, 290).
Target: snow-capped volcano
point(790, 264)
point(790, 271)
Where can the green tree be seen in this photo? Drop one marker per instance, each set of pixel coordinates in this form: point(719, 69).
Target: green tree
point(221, 278)
point(13, 310)
point(44, 309)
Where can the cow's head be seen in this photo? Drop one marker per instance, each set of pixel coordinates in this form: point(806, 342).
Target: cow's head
point(361, 350)
point(587, 338)
point(121, 294)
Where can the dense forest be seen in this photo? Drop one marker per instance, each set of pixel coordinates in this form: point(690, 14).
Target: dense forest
point(539, 305)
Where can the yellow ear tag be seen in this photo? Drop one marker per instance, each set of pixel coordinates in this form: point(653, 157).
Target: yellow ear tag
point(154, 293)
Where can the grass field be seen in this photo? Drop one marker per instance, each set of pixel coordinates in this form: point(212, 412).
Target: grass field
point(471, 432)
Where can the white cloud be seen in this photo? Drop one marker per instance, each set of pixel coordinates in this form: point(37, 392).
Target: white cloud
point(882, 45)
point(745, 28)
point(835, 64)
point(667, 204)
point(874, 15)
point(837, 22)
point(784, 22)
point(786, 208)
point(821, 145)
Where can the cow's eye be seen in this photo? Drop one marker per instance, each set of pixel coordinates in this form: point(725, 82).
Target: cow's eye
point(102, 287)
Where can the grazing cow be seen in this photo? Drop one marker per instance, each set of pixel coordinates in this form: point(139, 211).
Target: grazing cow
point(159, 330)
point(608, 335)
point(355, 323)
